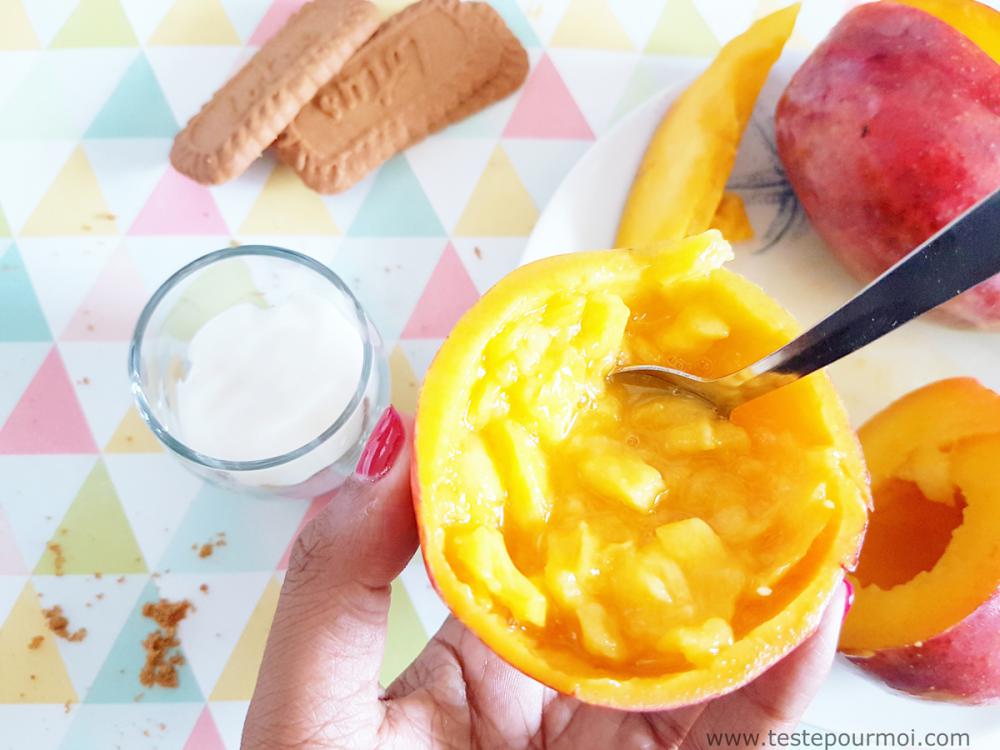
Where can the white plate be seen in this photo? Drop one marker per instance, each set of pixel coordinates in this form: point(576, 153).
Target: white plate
point(790, 262)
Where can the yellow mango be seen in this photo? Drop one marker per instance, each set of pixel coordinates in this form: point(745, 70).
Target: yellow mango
point(683, 174)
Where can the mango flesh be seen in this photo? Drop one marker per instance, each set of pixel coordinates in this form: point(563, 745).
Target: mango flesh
point(887, 132)
point(625, 546)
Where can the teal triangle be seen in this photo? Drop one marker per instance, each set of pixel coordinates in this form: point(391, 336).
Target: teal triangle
point(515, 19)
point(118, 680)
point(136, 109)
point(255, 532)
point(21, 318)
point(396, 206)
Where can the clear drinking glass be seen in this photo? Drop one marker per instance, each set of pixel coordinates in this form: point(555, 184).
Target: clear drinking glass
point(264, 276)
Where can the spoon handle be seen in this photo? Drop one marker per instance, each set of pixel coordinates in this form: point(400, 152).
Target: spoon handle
point(961, 255)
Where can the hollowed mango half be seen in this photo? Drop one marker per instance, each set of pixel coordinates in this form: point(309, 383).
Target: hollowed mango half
point(623, 545)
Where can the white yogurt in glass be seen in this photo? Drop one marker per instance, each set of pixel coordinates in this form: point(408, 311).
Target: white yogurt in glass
point(264, 381)
point(259, 369)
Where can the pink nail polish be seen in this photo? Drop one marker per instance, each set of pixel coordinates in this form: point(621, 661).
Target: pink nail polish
point(849, 599)
point(383, 446)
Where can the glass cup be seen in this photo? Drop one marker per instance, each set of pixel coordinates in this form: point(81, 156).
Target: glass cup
point(264, 276)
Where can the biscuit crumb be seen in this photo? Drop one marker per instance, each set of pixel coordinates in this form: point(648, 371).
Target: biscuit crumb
point(162, 657)
point(59, 625)
point(203, 588)
point(67, 705)
point(478, 252)
point(36, 643)
point(206, 549)
point(60, 558)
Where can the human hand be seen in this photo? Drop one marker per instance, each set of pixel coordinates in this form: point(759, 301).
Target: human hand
point(318, 684)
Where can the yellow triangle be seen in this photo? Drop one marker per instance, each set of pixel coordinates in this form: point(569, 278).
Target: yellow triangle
point(31, 675)
point(15, 28)
point(96, 23)
point(4, 226)
point(682, 31)
point(287, 206)
point(132, 436)
point(95, 536)
point(74, 203)
point(195, 22)
point(500, 205)
point(404, 382)
point(592, 24)
point(240, 675)
point(405, 637)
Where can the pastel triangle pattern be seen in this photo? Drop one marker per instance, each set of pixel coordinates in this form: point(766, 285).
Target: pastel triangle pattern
point(681, 30)
point(178, 205)
point(51, 682)
point(257, 542)
point(48, 417)
point(74, 204)
point(499, 205)
point(237, 681)
point(275, 17)
point(10, 561)
point(94, 535)
point(286, 206)
point(205, 735)
point(112, 306)
point(96, 23)
point(590, 24)
point(201, 22)
point(405, 636)
point(118, 679)
point(136, 109)
point(133, 436)
point(16, 32)
point(447, 295)
point(405, 383)
point(21, 317)
point(396, 205)
point(546, 108)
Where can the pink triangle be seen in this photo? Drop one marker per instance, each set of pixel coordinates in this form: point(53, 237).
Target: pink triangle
point(179, 206)
point(546, 109)
point(48, 418)
point(205, 735)
point(276, 17)
point(315, 507)
point(112, 305)
point(10, 561)
point(448, 294)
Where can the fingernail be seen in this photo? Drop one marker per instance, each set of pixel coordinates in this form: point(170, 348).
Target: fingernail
point(849, 598)
point(383, 446)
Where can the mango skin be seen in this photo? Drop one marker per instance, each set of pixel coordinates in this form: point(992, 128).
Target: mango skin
point(962, 665)
point(889, 130)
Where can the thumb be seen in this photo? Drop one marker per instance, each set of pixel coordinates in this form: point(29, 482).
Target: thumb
point(318, 681)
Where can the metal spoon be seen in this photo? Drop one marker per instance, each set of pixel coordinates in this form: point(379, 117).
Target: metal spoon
point(961, 255)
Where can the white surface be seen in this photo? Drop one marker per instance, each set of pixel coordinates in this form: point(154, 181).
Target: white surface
point(796, 269)
point(265, 381)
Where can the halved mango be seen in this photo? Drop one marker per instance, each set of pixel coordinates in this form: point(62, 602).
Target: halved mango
point(927, 615)
point(629, 547)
